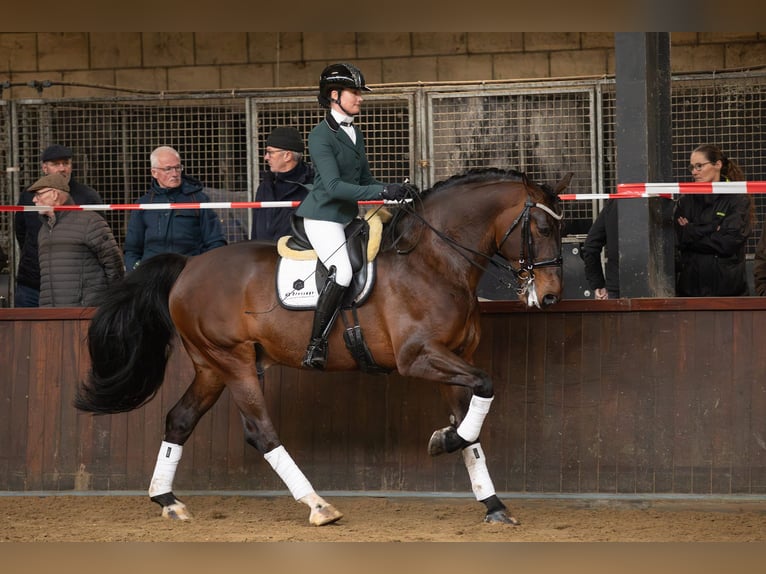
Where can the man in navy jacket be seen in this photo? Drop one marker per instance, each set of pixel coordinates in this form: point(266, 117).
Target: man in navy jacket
point(185, 231)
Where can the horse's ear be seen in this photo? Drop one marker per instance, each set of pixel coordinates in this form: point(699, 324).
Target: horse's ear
point(563, 183)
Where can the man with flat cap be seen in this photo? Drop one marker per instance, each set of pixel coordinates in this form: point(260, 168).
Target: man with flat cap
point(286, 180)
point(79, 257)
point(55, 159)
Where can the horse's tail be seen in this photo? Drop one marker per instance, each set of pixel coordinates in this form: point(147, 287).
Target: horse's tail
point(130, 338)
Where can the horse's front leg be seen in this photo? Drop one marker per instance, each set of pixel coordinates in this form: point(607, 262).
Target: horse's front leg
point(469, 394)
point(260, 433)
point(179, 424)
point(473, 457)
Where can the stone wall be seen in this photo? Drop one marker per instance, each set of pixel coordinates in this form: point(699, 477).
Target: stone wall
point(178, 61)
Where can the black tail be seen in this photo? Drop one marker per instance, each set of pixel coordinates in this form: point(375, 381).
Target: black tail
point(130, 338)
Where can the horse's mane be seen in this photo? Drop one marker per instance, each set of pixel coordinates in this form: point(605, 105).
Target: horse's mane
point(491, 174)
point(477, 175)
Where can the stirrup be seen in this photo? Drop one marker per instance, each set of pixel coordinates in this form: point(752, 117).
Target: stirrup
point(316, 354)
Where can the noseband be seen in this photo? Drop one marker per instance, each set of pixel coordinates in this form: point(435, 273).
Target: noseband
point(525, 274)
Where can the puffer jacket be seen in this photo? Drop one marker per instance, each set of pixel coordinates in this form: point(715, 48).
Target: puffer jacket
point(27, 227)
point(185, 231)
point(79, 258)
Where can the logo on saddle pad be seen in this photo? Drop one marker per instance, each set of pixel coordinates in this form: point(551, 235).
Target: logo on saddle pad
point(297, 269)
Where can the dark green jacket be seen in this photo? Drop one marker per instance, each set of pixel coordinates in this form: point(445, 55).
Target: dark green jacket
point(341, 174)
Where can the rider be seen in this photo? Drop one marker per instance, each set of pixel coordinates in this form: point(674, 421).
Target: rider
point(342, 178)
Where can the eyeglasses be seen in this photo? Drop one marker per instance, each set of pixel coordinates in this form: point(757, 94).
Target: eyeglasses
point(172, 168)
point(273, 151)
point(43, 192)
point(697, 166)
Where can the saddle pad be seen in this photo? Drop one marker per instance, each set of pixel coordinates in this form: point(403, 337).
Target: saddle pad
point(296, 284)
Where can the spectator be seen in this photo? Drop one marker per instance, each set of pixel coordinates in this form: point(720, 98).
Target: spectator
point(711, 231)
point(342, 178)
point(759, 266)
point(603, 234)
point(54, 159)
point(79, 257)
point(185, 231)
point(285, 180)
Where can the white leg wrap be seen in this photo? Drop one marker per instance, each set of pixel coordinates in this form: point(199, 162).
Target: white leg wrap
point(470, 428)
point(288, 471)
point(476, 463)
point(165, 469)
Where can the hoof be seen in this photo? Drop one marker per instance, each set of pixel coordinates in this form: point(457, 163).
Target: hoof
point(446, 440)
point(324, 514)
point(500, 517)
point(172, 508)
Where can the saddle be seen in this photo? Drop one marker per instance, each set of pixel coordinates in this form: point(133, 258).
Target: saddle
point(300, 274)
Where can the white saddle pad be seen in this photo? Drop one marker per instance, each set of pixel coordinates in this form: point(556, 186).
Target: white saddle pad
point(296, 283)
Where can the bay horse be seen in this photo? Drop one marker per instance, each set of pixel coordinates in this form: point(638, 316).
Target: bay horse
point(224, 306)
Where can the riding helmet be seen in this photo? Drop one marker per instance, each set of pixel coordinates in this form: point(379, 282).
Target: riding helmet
point(337, 77)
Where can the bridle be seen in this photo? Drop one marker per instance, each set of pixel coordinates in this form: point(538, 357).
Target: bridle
point(525, 274)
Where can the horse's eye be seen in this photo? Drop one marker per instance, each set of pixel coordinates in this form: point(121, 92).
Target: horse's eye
point(544, 230)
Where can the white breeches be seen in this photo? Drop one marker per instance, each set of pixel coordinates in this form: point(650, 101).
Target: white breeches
point(328, 239)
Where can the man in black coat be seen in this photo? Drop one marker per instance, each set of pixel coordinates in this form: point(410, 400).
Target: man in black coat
point(55, 159)
point(286, 180)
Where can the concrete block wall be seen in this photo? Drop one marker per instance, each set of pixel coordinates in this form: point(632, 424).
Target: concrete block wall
point(85, 64)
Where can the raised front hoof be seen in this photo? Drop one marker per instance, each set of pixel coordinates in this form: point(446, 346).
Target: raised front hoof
point(324, 514)
point(445, 440)
point(500, 517)
point(172, 508)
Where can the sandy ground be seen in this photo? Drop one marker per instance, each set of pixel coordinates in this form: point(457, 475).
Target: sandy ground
point(373, 519)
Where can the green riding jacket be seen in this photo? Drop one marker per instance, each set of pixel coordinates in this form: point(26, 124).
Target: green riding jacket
point(341, 174)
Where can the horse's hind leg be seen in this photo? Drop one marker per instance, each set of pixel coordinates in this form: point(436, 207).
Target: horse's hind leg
point(473, 457)
point(260, 433)
point(179, 424)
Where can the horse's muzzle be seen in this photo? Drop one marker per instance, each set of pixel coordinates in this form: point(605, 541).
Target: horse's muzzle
point(549, 300)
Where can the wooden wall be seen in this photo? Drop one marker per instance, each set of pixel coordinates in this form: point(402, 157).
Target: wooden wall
point(629, 396)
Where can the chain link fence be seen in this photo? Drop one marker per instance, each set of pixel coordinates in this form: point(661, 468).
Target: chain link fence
point(425, 132)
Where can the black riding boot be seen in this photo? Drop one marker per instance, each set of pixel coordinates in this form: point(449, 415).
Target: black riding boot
point(328, 306)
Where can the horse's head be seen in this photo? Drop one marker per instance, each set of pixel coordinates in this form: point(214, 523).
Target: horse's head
point(532, 243)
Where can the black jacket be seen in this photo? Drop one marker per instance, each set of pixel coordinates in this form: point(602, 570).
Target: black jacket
point(603, 233)
point(271, 223)
point(710, 258)
point(28, 225)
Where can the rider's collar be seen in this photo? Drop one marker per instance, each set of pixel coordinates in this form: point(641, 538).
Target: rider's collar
point(341, 118)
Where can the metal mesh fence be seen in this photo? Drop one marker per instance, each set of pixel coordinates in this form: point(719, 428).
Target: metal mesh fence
point(543, 132)
point(112, 141)
point(427, 133)
point(728, 112)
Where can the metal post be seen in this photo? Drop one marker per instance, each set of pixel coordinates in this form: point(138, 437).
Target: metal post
point(643, 138)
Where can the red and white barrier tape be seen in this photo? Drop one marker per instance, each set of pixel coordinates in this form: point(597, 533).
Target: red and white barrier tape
point(639, 190)
point(146, 206)
point(624, 191)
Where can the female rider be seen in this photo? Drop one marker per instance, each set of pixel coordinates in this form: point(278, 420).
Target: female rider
point(342, 178)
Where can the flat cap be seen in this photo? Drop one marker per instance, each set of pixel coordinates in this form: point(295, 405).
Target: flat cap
point(54, 180)
point(55, 151)
point(285, 138)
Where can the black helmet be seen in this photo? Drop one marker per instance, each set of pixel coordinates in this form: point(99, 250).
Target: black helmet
point(337, 77)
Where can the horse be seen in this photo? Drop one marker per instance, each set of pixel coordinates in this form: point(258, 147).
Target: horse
point(439, 242)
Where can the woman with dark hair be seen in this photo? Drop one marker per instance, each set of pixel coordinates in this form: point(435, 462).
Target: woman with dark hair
point(711, 231)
